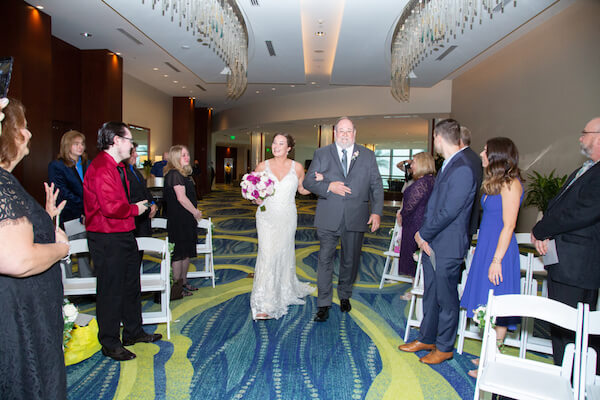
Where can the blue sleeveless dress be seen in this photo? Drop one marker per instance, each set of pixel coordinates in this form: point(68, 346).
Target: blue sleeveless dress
point(478, 284)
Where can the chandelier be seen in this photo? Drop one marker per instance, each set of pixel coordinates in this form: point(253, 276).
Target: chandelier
point(220, 25)
point(425, 24)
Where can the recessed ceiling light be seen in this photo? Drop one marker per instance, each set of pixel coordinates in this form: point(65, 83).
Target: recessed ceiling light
point(258, 91)
point(292, 85)
point(166, 76)
point(273, 88)
point(175, 81)
point(185, 47)
point(86, 34)
point(154, 69)
point(183, 87)
point(320, 33)
point(117, 53)
point(39, 7)
point(313, 83)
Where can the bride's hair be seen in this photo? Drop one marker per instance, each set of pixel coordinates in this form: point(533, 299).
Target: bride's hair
point(288, 137)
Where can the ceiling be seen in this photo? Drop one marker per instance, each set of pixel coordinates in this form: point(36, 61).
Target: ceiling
point(354, 50)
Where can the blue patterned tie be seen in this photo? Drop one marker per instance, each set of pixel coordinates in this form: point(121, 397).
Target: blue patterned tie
point(345, 161)
point(586, 165)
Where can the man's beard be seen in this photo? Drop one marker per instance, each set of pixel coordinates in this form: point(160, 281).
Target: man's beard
point(344, 146)
point(584, 150)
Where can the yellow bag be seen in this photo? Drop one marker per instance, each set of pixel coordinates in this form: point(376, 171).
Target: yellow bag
point(83, 344)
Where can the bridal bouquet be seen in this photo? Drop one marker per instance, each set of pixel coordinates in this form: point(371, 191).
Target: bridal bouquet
point(257, 185)
point(70, 313)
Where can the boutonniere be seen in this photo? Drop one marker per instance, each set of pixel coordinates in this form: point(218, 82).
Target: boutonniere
point(355, 155)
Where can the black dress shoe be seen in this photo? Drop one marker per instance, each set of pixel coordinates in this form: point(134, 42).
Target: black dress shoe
point(345, 305)
point(145, 338)
point(322, 314)
point(118, 354)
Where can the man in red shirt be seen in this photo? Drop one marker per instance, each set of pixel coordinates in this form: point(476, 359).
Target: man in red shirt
point(110, 223)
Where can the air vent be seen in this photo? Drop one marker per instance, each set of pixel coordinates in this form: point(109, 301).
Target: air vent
point(270, 48)
point(201, 88)
point(130, 36)
point(254, 2)
point(444, 54)
point(171, 66)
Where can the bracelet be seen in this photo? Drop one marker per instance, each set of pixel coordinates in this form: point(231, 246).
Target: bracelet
point(68, 256)
point(496, 260)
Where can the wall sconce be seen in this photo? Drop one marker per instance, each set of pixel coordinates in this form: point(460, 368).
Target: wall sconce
point(157, 158)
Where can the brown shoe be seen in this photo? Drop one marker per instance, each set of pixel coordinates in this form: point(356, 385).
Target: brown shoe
point(416, 346)
point(436, 357)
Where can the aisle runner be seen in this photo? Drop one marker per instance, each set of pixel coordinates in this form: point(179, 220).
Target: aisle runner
point(216, 351)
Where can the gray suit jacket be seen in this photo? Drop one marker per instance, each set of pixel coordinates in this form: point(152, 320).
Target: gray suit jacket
point(363, 179)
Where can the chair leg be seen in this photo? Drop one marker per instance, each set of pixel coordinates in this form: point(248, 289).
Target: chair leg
point(212, 270)
point(462, 326)
point(409, 317)
point(385, 271)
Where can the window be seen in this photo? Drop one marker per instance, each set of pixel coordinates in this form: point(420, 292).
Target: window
point(387, 159)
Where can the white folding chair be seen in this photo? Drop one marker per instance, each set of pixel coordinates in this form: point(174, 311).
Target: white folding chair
point(205, 248)
point(390, 268)
point(74, 227)
point(590, 382)
point(520, 378)
point(415, 310)
point(78, 286)
point(532, 267)
point(158, 223)
point(157, 282)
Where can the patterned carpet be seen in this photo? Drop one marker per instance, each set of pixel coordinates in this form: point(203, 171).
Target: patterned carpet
point(216, 351)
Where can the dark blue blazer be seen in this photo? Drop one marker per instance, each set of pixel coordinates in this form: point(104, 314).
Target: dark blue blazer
point(448, 212)
point(71, 188)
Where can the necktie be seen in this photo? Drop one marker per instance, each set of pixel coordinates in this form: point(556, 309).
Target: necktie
point(345, 161)
point(134, 174)
point(122, 173)
point(586, 165)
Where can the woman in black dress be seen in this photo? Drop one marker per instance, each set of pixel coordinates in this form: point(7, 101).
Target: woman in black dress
point(182, 214)
point(32, 364)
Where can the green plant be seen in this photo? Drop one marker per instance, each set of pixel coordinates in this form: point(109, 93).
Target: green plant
point(542, 188)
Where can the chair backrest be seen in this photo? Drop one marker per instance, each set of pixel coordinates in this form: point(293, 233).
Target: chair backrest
point(394, 237)
point(73, 227)
point(78, 246)
point(158, 223)
point(591, 326)
point(206, 223)
point(541, 308)
point(159, 246)
point(523, 238)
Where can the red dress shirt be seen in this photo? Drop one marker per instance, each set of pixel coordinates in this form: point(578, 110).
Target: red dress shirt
point(107, 209)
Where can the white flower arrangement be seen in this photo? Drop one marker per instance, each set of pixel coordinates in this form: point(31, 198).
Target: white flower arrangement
point(257, 185)
point(70, 312)
point(355, 155)
point(479, 317)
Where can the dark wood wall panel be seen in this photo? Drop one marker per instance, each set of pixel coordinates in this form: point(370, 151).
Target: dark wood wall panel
point(183, 122)
point(101, 92)
point(28, 40)
point(66, 82)
point(202, 144)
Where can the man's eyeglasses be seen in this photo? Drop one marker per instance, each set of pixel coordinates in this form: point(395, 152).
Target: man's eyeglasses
point(128, 138)
point(347, 132)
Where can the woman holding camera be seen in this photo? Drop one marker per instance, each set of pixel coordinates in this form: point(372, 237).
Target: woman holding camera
point(410, 216)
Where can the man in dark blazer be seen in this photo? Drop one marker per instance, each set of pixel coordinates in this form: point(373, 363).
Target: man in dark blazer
point(351, 183)
point(444, 239)
point(475, 163)
point(573, 221)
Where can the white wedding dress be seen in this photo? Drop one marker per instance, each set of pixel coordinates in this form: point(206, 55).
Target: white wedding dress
point(275, 283)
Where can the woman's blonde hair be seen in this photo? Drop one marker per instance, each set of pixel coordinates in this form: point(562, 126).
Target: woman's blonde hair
point(66, 141)
point(423, 164)
point(175, 161)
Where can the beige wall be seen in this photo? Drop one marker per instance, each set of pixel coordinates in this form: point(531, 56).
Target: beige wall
point(146, 106)
point(539, 91)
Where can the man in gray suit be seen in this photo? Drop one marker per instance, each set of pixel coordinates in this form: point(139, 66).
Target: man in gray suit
point(350, 181)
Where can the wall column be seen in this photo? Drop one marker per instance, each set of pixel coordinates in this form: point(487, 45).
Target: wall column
point(324, 135)
point(257, 149)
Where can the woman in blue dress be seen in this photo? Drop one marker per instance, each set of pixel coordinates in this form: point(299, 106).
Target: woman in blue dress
point(496, 260)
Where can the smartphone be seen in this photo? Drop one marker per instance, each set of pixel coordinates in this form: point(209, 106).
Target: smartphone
point(6, 64)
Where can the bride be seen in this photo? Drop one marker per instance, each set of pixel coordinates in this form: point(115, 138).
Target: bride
point(275, 283)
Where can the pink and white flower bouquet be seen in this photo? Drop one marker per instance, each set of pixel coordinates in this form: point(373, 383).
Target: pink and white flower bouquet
point(257, 185)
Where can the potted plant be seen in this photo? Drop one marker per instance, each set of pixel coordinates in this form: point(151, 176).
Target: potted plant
point(147, 164)
point(542, 188)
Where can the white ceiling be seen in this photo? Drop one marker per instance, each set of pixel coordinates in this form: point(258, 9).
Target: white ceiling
point(353, 52)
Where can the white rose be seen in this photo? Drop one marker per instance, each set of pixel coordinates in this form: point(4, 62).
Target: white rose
point(261, 186)
point(70, 312)
point(270, 190)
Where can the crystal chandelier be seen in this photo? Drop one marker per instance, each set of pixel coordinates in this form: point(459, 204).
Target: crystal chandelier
point(425, 24)
point(221, 27)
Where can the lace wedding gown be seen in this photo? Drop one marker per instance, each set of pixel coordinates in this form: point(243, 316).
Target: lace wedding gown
point(275, 283)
